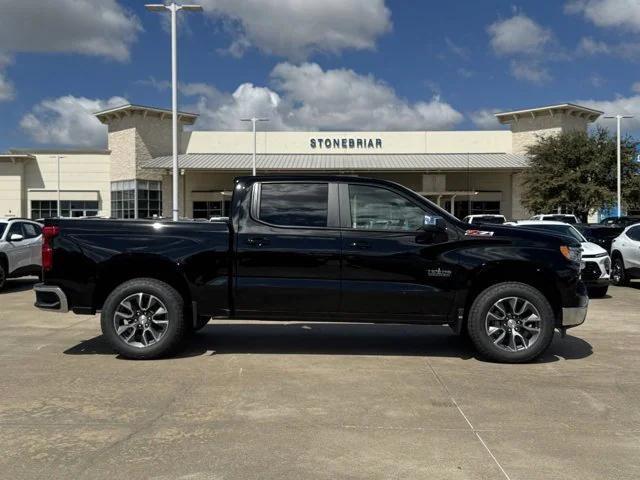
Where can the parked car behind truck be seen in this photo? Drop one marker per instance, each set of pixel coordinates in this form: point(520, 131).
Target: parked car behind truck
point(20, 249)
point(337, 249)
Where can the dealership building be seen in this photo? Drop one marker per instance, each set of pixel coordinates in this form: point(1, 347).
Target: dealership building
point(463, 171)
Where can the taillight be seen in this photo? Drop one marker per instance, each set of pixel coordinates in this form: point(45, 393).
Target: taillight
point(47, 250)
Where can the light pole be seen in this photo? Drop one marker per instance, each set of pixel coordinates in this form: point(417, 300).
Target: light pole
point(58, 157)
point(253, 121)
point(173, 7)
point(619, 181)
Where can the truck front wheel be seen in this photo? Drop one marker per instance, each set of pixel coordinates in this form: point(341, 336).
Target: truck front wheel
point(143, 319)
point(511, 322)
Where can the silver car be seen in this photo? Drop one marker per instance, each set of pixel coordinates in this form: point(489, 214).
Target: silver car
point(20, 248)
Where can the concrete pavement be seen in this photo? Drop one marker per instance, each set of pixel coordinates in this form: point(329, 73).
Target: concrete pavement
point(317, 401)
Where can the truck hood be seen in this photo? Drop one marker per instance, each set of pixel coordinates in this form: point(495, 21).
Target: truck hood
point(521, 234)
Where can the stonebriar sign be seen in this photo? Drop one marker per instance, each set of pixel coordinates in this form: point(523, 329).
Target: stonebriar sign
point(345, 143)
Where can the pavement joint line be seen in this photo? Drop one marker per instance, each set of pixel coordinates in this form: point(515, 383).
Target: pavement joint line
point(475, 432)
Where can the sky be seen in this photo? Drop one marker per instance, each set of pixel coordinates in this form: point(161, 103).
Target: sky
point(313, 65)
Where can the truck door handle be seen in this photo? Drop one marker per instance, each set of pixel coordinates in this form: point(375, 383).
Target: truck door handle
point(257, 241)
point(362, 245)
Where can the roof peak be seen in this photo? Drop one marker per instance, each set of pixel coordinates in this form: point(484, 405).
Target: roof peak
point(105, 116)
point(570, 109)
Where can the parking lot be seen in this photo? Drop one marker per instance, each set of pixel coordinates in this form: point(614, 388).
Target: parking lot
point(301, 401)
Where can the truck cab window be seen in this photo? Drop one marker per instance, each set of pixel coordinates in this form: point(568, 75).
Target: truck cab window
point(294, 204)
point(374, 208)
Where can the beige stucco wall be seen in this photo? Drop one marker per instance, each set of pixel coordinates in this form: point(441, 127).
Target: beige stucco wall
point(11, 188)
point(527, 130)
point(83, 176)
point(391, 142)
point(135, 139)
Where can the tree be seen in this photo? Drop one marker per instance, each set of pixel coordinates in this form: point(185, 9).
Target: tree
point(576, 171)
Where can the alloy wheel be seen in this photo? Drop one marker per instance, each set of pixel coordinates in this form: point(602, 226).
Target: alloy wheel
point(616, 271)
point(513, 324)
point(141, 320)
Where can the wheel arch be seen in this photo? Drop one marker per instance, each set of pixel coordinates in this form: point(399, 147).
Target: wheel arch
point(522, 272)
point(123, 268)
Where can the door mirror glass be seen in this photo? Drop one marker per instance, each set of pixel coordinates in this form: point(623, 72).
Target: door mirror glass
point(16, 237)
point(432, 222)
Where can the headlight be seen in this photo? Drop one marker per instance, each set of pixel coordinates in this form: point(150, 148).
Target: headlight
point(573, 254)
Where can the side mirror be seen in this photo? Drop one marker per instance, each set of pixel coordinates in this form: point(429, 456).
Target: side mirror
point(16, 237)
point(433, 223)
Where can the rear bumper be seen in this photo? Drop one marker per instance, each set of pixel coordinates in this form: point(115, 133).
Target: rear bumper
point(51, 298)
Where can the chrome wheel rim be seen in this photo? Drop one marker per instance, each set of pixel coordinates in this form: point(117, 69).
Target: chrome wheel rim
point(141, 320)
point(616, 271)
point(513, 324)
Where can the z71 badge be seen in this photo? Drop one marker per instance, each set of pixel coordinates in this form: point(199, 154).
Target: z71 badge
point(478, 233)
point(438, 272)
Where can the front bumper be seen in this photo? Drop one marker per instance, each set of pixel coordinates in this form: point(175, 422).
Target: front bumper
point(596, 271)
point(51, 298)
point(574, 316)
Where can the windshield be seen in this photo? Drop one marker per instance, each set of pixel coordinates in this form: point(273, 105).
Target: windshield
point(561, 218)
point(566, 230)
point(488, 219)
point(3, 227)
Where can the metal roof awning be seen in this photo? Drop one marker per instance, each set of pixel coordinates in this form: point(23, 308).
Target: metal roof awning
point(342, 162)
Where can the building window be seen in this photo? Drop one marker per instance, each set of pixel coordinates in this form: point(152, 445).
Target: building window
point(217, 208)
point(125, 194)
point(44, 209)
point(68, 208)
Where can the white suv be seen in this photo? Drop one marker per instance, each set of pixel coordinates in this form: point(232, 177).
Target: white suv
point(625, 253)
point(556, 217)
point(20, 248)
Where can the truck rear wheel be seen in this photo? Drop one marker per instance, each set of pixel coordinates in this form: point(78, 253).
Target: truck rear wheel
point(511, 322)
point(143, 319)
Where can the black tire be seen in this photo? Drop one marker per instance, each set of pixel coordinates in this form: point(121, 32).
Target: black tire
point(176, 328)
point(201, 323)
point(480, 310)
point(598, 292)
point(3, 276)
point(618, 274)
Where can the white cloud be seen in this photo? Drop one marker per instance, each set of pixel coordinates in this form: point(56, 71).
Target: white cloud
point(530, 71)
point(626, 50)
point(92, 27)
point(619, 105)
point(589, 46)
point(306, 97)
point(456, 49)
point(518, 35)
point(608, 13)
point(68, 121)
point(485, 119)
point(7, 91)
point(295, 29)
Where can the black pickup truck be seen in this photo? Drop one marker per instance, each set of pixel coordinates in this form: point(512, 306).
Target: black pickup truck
point(315, 248)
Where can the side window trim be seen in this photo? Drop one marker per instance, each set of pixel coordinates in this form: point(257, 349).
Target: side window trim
point(345, 206)
point(332, 205)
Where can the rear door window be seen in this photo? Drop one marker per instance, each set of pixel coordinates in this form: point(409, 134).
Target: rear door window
point(294, 204)
point(30, 230)
point(634, 233)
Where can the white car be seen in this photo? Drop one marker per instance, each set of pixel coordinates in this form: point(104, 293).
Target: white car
point(596, 261)
point(484, 218)
point(20, 249)
point(625, 252)
point(556, 217)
